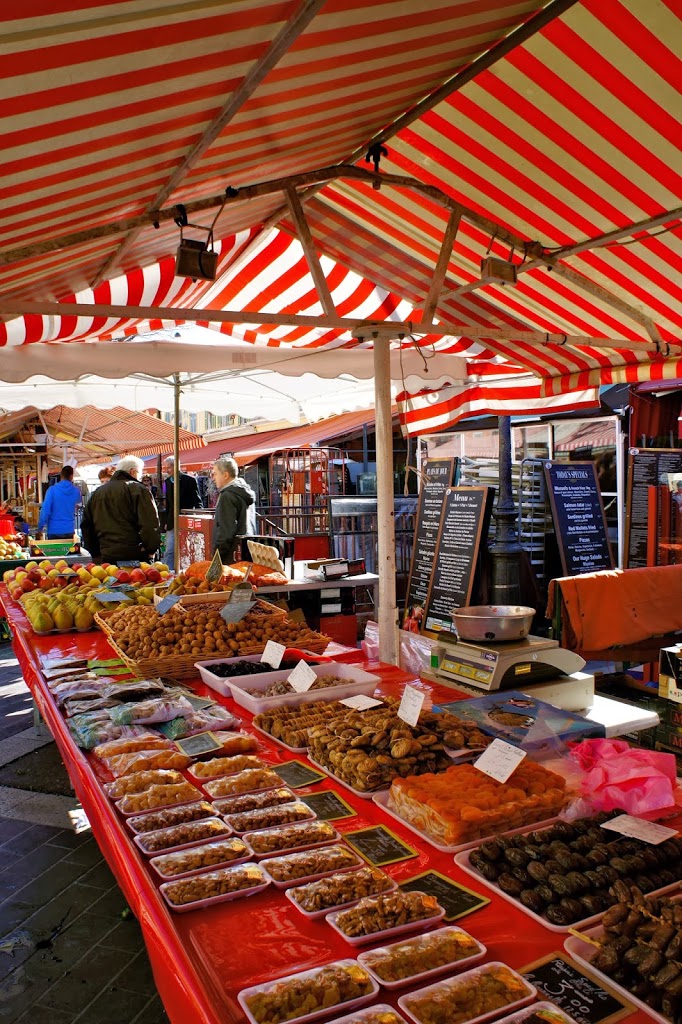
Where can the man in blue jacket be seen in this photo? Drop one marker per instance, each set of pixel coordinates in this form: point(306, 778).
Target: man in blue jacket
point(58, 513)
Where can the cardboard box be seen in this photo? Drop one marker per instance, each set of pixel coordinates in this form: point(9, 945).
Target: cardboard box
point(670, 662)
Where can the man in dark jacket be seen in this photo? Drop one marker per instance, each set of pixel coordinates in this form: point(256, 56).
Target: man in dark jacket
point(120, 522)
point(234, 514)
point(189, 498)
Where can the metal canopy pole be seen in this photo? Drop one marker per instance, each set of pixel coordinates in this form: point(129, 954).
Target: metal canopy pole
point(176, 471)
point(388, 613)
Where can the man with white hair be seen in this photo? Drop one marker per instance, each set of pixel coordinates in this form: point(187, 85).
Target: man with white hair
point(120, 522)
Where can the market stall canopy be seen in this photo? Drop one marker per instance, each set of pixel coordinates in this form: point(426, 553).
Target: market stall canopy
point(90, 432)
point(543, 135)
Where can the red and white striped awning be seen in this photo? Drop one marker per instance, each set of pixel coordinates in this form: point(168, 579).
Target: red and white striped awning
point(554, 124)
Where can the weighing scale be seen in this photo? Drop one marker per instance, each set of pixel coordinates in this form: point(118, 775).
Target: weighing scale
point(535, 665)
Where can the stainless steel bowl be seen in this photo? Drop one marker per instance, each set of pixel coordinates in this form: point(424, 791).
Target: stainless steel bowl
point(488, 622)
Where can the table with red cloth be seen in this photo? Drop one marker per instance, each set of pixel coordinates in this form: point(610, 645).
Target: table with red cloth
point(203, 958)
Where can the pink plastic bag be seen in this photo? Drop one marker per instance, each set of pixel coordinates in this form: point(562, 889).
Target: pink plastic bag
point(620, 776)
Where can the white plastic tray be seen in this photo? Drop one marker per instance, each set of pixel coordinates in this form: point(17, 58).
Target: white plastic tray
point(239, 894)
point(224, 804)
point(443, 986)
point(381, 800)
point(314, 915)
point(296, 883)
point(347, 785)
point(388, 933)
point(209, 784)
point(521, 1015)
point(276, 739)
point(131, 822)
point(358, 682)
point(221, 834)
point(160, 807)
point(222, 683)
point(372, 1015)
point(227, 863)
point(309, 816)
point(301, 976)
point(455, 965)
point(229, 769)
point(327, 841)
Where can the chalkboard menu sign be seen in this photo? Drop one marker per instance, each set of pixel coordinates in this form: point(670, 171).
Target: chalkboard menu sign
point(378, 845)
point(297, 774)
point(328, 805)
point(439, 475)
point(579, 519)
point(459, 539)
point(577, 993)
point(647, 467)
point(456, 898)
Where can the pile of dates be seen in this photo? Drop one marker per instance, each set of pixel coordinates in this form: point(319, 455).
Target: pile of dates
point(642, 948)
point(565, 872)
point(252, 668)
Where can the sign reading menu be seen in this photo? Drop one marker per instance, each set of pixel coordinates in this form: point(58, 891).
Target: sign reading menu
point(579, 518)
point(439, 476)
point(647, 467)
point(459, 539)
point(577, 993)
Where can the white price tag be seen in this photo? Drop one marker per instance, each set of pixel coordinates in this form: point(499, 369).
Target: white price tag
point(166, 603)
point(360, 702)
point(500, 760)
point(411, 705)
point(302, 677)
point(273, 653)
point(638, 828)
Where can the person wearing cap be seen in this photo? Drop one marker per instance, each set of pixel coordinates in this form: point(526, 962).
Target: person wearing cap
point(120, 522)
point(189, 498)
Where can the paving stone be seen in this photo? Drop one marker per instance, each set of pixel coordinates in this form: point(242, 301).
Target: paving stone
point(88, 855)
point(114, 1006)
point(72, 840)
point(28, 867)
point(153, 1013)
point(83, 983)
point(9, 828)
point(17, 990)
point(39, 1014)
point(138, 975)
point(30, 838)
point(14, 911)
point(125, 935)
point(92, 928)
point(112, 904)
point(100, 876)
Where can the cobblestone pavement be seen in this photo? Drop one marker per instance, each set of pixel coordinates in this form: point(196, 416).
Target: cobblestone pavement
point(70, 950)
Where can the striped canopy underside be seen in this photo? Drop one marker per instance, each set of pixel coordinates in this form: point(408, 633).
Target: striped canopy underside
point(110, 110)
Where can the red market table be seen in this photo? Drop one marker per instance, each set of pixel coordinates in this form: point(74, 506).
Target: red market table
point(202, 959)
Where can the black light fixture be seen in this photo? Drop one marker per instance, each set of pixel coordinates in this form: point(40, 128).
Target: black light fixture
point(195, 257)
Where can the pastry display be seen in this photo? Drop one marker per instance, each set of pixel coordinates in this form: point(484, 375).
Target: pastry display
point(369, 749)
point(291, 836)
point(403, 960)
point(282, 686)
point(269, 817)
point(252, 801)
point(336, 890)
point(380, 1014)
point(140, 781)
point(158, 796)
point(311, 862)
point(171, 816)
point(182, 834)
point(463, 803)
point(300, 995)
point(218, 766)
point(292, 725)
point(564, 873)
point(243, 782)
point(235, 743)
point(146, 760)
point(383, 912)
point(197, 857)
point(213, 883)
point(475, 993)
point(641, 948)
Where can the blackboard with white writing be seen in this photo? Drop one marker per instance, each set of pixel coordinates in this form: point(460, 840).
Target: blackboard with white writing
point(459, 540)
point(579, 518)
point(647, 467)
point(439, 475)
point(581, 996)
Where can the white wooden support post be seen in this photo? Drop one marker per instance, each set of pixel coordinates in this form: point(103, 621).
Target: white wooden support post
point(388, 613)
point(176, 476)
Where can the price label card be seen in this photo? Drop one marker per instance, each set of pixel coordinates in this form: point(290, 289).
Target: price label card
point(411, 705)
point(327, 804)
point(129, 565)
point(296, 774)
point(113, 670)
point(638, 828)
point(582, 996)
point(361, 702)
point(456, 898)
point(235, 609)
point(378, 845)
point(199, 703)
point(215, 569)
point(500, 760)
point(104, 662)
point(273, 653)
point(166, 603)
point(302, 677)
point(202, 743)
point(112, 596)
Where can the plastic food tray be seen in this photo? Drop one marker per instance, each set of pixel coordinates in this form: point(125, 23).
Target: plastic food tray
point(222, 683)
point(314, 915)
point(521, 1015)
point(423, 924)
point(133, 826)
point(475, 972)
point(582, 952)
point(295, 883)
point(381, 800)
point(225, 804)
point(358, 682)
point(200, 779)
point(155, 861)
point(309, 816)
point(221, 833)
point(423, 940)
point(370, 1015)
point(347, 785)
point(327, 841)
point(301, 976)
point(210, 784)
point(276, 739)
point(209, 901)
point(159, 807)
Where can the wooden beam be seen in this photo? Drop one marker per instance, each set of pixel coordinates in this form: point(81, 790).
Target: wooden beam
point(360, 328)
point(451, 229)
point(306, 239)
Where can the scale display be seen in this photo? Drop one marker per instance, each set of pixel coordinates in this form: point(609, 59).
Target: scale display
point(532, 660)
point(468, 671)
